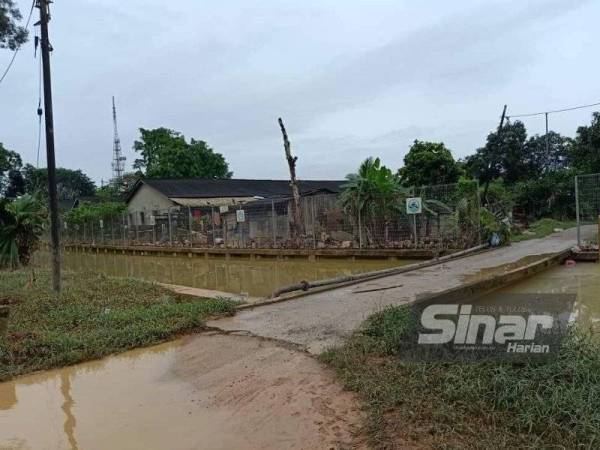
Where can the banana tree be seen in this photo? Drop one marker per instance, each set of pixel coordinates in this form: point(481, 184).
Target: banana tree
point(21, 225)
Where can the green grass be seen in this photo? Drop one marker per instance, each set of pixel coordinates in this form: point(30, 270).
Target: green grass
point(93, 317)
point(542, 228)
point(552, 404)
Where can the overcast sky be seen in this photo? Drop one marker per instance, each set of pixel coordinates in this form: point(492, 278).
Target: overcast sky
point(351, 79)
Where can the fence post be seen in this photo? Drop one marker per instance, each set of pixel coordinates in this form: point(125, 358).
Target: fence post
point(190, 224)
point(577, 210)
point(479, 230)
point(170, 233)
point(314, 222)
point(123, 227)
point(273, 223)
point(360, 233)
point(598, 238)
point(415, 223)
point(212, 225)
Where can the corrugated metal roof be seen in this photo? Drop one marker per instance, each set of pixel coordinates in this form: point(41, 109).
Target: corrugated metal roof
point(201, 188)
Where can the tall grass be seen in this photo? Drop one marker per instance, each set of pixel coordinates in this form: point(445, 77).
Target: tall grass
point(494, 404)
point(93, 317)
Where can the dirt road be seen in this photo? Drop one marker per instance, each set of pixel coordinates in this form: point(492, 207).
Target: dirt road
point(204, 392)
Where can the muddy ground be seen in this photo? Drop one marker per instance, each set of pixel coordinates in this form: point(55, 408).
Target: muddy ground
point(208, 391)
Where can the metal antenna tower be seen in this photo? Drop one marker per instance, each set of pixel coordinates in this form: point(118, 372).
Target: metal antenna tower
point(118, 163)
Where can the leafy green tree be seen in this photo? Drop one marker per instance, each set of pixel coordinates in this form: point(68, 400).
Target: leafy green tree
point(11, 34)
point(21, 224)
point(429, 163)
point(166, 154)
point(503, 156)
point(11, 181)
point(71, 184)
point(550, 195)
point(585, 152)
point(545, 157)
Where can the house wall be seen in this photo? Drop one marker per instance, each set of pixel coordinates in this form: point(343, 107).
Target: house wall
point(144, 202)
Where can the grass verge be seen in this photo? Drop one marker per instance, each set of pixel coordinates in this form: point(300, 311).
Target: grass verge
point(554, 404)
point(93, 317)
point(542, 228)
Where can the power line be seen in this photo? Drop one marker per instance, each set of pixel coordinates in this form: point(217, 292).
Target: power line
point(512, 116)
point(14, 56)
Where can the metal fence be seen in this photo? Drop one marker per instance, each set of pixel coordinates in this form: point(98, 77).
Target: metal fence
point(449, 219)
point(587, 198)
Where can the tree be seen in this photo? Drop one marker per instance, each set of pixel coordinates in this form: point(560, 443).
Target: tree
point(21, 224)
point(429, 163)
point(166, 154)
point(585, 152)
point(11, 180)
point(11, 34)
point(547, 156)
point(374, 194)
point(503, 156)
point(71, 184)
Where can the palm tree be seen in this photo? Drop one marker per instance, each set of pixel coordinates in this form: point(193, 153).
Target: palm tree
point(21, 224)
point(373, 195)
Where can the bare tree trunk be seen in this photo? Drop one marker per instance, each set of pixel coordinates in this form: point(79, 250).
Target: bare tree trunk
point(296, 219)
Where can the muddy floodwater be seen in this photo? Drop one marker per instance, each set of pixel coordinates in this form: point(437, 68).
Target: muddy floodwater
point(202, 392)
point(255, 277)
point(583, 280)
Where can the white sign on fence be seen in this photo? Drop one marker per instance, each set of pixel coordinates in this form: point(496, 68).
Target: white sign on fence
point(240, 215)
point(414, 205)
point(223, 209)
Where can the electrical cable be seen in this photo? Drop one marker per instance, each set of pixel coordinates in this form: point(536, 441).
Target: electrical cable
point(553, 111)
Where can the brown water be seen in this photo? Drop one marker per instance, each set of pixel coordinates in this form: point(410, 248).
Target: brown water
point(255, 277)
point(583, 280)
point(201, 392)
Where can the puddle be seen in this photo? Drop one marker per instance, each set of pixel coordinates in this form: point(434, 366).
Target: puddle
point(257, 278)
point(204, 392)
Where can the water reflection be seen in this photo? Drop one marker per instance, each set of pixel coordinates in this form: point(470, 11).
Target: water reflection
point(259, 277)
point(33, 407)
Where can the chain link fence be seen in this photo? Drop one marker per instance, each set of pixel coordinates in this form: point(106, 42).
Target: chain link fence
point(449, 219)
point(587, 197)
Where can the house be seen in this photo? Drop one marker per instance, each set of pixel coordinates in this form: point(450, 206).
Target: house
point(150, 198)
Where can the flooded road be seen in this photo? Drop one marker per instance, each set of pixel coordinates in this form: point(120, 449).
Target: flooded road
point(583, 280)
point(201, 392)
point(255, 277)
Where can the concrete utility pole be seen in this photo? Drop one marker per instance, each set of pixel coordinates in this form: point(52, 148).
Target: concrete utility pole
point(44, 7)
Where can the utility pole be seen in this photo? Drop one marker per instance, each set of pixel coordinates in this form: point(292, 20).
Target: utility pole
point(547, 138)
point(502, 119)
point(44, 6)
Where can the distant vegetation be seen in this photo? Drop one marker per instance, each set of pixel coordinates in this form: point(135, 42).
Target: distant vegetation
point(166, 154)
